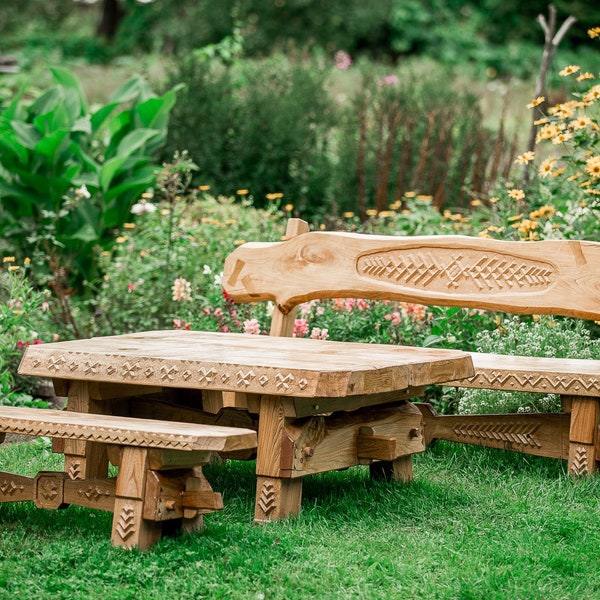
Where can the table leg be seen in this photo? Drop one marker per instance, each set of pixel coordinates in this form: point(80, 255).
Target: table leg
point(585, 416)
point(399, 469)
point(276, 497)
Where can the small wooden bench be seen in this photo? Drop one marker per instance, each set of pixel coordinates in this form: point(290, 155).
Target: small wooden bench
point(159, 480)
point(557, 277)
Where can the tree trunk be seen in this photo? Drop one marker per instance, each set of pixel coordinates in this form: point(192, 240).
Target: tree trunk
point(112, 13)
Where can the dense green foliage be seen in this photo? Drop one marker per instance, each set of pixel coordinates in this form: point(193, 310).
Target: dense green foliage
point(69, 175)
point(496, 35)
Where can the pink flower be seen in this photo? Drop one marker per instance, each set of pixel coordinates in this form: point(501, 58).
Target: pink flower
point(131, 287)
point(388, 80)
point(252, 326)
point(342, 60)
point(362, 304)
point(181, 324)
point(394, 317)
point(319, 334)
point(182, 290)
point(300, 327)
point(218, 312)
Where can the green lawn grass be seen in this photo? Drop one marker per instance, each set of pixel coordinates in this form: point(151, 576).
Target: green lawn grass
point(474, 524)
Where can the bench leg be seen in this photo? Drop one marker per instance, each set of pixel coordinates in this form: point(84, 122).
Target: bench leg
point(276, 497)
point(130, 529)
point(585, 416)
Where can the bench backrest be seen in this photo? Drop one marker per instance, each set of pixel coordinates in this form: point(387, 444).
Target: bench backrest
point(559, 277)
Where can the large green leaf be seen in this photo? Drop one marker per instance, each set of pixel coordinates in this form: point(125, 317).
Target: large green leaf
point(49, 145)
point(69, 81)
point(12, 150)
point(154, 112)
point(135, 140)
point(47, 102)
point(27, 134)
point(102, 114)
point(128, 91)
point(108, 171)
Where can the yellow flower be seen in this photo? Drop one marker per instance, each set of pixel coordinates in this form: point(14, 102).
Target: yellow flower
point(14, 268)
point(525, 158)
point(546, 167)
point(242, 192)
point(239, 242)
point(348, 215)
point(584, 76)
point(536, 102)
point(484, 234)
point(121, 239)
point(580, 122)
point(425, 197)
point(147, 195)
point(27, 260)
point(592, 95)
point(204, 188)
point(516, 194)
point(592, 166)
point(542, 212)
point(476, 202)
point(8, 259)
point(129, 225)
point(274, 196)
point(562, 137)
point(541, 121)
point(569, 70)
point(289, 207)
point(594, 32)
point(495, 229)
point(371, 212)
point(494, 199)
point(575, 176)
point(515, 218)
point(409, 194)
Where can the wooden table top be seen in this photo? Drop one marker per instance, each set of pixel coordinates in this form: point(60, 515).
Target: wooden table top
point(246, 363)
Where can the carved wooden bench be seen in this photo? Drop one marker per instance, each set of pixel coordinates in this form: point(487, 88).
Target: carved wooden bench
point(159, 481)
point(555, 277)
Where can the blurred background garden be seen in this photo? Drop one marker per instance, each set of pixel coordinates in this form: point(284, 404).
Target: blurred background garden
point(142, 141)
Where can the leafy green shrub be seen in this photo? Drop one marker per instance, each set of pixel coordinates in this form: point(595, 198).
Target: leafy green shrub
point(69, 175)
point(260, 127)
point(544, 337)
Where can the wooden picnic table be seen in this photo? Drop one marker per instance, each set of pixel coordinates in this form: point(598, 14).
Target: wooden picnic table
point(318, 405)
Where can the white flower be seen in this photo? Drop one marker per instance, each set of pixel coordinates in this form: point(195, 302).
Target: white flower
point(83, 192)
point(139, 208)
point(206, 270)
point(219, 278)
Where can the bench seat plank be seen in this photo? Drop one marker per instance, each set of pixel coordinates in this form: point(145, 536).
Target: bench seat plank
point(124, 431)
point(579, 377)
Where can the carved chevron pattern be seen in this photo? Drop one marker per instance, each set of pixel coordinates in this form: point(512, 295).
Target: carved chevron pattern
point(90, 433)
point(439, 269)
point(511, 432)
point(555, 383)
point(268, 497)
point(126, 524)
point(579, 466)
point(8, 488)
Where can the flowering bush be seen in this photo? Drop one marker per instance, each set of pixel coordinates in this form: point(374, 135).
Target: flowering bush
point(564, 201)
point(545, 337)
point(23, 315)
